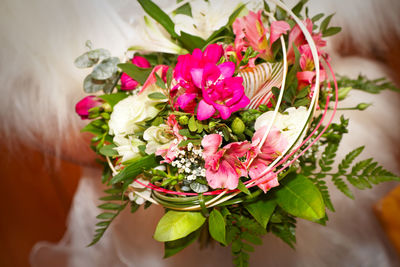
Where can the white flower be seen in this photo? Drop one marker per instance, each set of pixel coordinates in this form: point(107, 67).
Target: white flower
point(207, 17)
point(153, 38)
point(158, 137)
point(132, 110)
point(142, 190)
point(290, 123)
point(128, 148)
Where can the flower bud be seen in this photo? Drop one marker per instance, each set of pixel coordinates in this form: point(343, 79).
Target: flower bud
point(183, 120)
point(238, 126)
point(87, 103)
point(363, 106)
point(211, 125)
point(343, 92)
point(107, 107)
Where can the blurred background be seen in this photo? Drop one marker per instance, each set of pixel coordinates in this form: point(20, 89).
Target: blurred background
point(37, 183)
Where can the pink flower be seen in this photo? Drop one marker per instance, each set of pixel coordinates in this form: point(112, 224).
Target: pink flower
point(186, 91)
point(208, 86)
point(127, 83)
point(250, 31)
point(84, 105)
point(169, 154)
point(223, 167)
point(296, 37)
point(273, 146)
point(306, 77)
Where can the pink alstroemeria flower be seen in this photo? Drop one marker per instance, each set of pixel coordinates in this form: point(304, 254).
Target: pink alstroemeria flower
point(85, 104)
point(127, 83)
point(296, 37)
point(250, 31)
point(169, 154)
point(223, 167)
point(273, 146)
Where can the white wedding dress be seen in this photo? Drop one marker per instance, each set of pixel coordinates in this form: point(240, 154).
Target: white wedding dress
point(41, 39)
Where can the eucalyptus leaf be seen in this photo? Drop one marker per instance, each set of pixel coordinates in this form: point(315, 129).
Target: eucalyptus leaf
point(216, 226)
point(91, 85)
point(84, 61)
point(105, 69)
point(178, 224)
point(198, 187)
point(98, 54)
point(298, 196)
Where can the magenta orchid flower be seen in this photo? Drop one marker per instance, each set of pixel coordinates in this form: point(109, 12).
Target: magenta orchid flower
point(250, 31)
point(128, 83)
point(273, 146)
point(223, 167)
point(85, 104)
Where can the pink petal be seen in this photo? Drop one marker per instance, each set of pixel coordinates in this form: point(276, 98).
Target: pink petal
point(306, 76)
point(269, 181)
point(152, 77)
point(210, 144)
point(204, 110)
point(227, 69)
point(277, 29)
point(213, 53)
point(141, 62)
point(197, 77)
point(127, 83)
point(185, 100)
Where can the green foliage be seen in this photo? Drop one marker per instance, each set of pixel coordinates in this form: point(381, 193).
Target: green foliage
point(135, 168)
point(283, 225)
point(178, 224)
point(112, 210)
point(135, 72)
point(261, 210)
point(216, 224)
point(298, 196)
point(173, 247)
point(364, 84)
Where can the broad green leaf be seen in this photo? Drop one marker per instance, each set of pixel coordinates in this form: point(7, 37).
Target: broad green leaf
point(243, 188)
point(108, 150)
point(298, 196)
point(190, 42)
point(216, 226)
point(173, 247)
point(261, 210)
point(106, 69)
point(157, 95)
point(160, 16)
point(135, 168)
point(113, 99)
point(135, 72)
point(178, 224)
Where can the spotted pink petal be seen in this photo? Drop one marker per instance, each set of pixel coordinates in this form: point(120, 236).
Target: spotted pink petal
point(277, 29)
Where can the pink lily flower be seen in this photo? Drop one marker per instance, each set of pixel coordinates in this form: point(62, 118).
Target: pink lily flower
point(306, 77)
point(169, 154)
point(85, 104)
point(273, 146)
point(296, 37)
point(128, 83)
point(250, 31)
point(223, 167)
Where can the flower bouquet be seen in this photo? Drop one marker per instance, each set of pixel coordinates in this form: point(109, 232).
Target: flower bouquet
point(224, 120)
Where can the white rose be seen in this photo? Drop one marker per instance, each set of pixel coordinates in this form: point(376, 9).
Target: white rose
point(290, 123)
point(132, 110)
point(140, 189)
point(128, 147)
point(157, 137)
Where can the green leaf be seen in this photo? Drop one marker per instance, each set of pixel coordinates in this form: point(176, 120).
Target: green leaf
point(185, 10)
point(159, 81)
point(135, 72)
point(108, 150)
point(331, 31)
point(106, 216)
point(156, 96)
point(110, 206)
point(298, 196)
point(160, 16)
point(261, 210)
point(92, 129)
point(216, 226)
point(173, 247)
point(190, 42)
point(135, 168)
point(192, 124)
point(325, 23)
point(243, 188)
point(91, 85)
point(113, 99)
point(178, 224)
